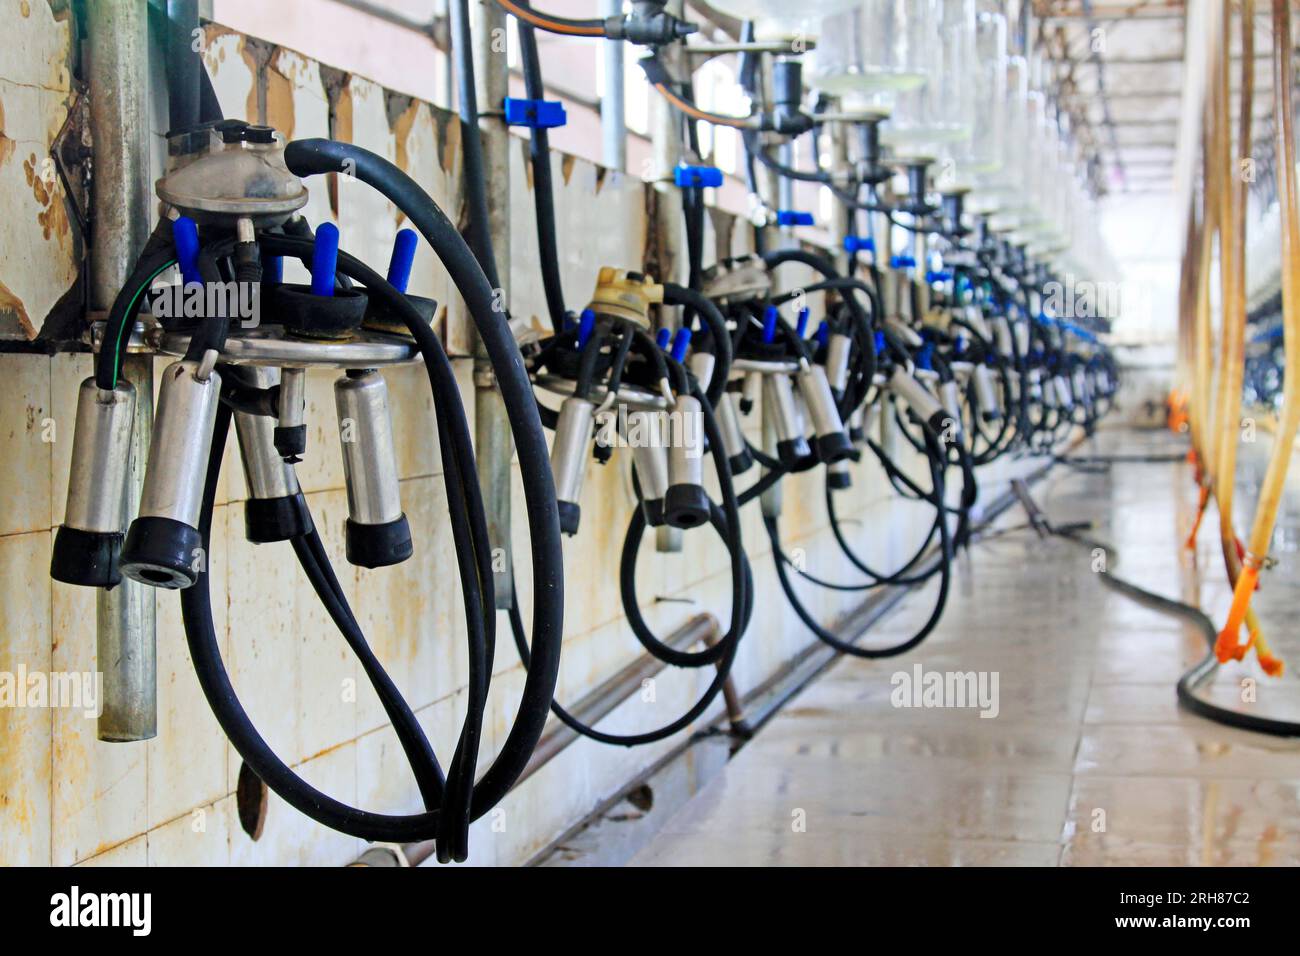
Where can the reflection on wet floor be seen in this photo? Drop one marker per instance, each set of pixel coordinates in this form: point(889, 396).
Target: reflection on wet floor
point(1088, 761)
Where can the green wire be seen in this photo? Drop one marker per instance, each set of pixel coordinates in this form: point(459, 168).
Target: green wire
point(130, 312)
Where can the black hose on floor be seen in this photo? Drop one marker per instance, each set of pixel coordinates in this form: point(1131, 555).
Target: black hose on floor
point(1205, 670)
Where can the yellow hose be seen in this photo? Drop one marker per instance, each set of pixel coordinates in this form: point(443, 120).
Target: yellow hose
point(1204, 340)
point(1181, 389)
point(1203, 367)
point(1232, 252)
point(1275, 477)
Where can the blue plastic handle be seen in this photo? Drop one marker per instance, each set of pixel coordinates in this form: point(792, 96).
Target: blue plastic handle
point(769, 323)
point(697, 177)
point(823, 334)
point(586, 325)
point(663, 337)
point(399, 266)
point(536, 114)
point(185, 233)
point(801, 327)
point(325, 259)
point(273, 270)
point(681, 342)
point(792, 217)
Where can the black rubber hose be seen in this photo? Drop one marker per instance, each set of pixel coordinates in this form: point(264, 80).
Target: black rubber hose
point(157, 253)
point(897, 577)
point(468, 519)
point(587, 359)
point(993, 444)
point(539, 151)
point(620, 354)
point(210, 669)
point(755, 149)
point(209, 105)
point(1193, 679)
point(945, 559)
point(824, 266)
point(307, 157)
point(632, 606)
point(837, 284)
point(197, 604)
point(726, 520)
point(751, 180)
point(450, 820)
point(210, 335)
point(184, 65)
point(693, 212)
point(702, 704)
point(711, 316)
point(867, 364)
point(415, 745)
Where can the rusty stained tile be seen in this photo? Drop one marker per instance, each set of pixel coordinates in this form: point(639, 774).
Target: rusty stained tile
point(234, 77)
point(37, 250)
point(283, 76)
point(6, 144)
point(14, 313)
point(25, 732)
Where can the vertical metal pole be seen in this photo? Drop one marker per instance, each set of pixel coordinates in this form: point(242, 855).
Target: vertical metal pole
point(125, 617)
point(613, 119)
point(769, 180)
point(787, 185)
point(126, 626)
point(666, 135)
point(883, 233)
point(492, 442)
point(842, 216)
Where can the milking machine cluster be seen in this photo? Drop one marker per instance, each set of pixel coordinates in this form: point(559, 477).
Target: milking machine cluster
point(233, 192)
point(945, 344)
point(951, 344)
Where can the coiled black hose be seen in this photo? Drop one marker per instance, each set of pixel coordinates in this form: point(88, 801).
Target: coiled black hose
point(473, 552)
point(901, 575)
point(311, 157)
point(726, 521)
point(945, 561)
point(449, 823)
point(719, 338)
point(862, 325)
